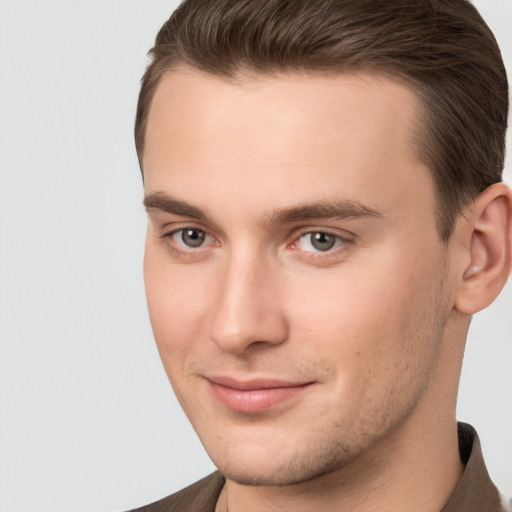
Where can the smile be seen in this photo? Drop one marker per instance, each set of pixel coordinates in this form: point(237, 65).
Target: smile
point(254, 396)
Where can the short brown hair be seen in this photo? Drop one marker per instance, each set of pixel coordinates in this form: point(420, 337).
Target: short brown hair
point(442, 48)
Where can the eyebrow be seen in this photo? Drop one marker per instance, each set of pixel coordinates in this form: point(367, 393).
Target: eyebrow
point(322, 210)
point(168, 204)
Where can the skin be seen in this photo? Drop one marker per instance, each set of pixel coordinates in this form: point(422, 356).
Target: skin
point(370, 328)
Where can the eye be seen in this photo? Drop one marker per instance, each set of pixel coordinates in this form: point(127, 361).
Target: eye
point(190, 237)
point(319, 241)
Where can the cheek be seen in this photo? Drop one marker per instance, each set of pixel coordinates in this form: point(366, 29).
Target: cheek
point(177, 302)
point(365, 316)
point(345, 303)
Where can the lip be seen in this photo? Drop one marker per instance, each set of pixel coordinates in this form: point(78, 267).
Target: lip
point(254, 396)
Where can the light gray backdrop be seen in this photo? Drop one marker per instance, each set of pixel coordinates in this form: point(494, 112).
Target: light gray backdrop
point(88, 421)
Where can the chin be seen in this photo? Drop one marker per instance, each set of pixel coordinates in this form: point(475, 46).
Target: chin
point(264, 455)
point(291, 476)
point(275, 468)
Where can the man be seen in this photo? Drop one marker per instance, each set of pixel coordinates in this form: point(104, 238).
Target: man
point(326, 212)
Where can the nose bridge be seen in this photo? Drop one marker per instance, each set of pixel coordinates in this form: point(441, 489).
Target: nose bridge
point(248, 308)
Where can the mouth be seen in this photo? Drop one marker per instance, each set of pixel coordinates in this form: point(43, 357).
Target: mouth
point(254, 396)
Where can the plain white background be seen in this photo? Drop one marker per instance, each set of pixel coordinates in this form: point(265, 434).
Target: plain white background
point(88, 421)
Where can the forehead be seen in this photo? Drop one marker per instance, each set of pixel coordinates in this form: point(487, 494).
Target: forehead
point(279, 101)
point(302, 135)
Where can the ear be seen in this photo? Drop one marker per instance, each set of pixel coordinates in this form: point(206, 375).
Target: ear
point(487, 243)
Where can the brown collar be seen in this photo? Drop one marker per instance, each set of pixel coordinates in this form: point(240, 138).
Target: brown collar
point(475, 491)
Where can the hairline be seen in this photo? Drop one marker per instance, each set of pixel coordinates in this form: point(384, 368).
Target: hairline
point(420, 129)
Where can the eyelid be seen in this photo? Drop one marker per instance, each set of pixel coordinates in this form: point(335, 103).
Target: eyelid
point(168, 236)
point(339, 233)
point(345, 238)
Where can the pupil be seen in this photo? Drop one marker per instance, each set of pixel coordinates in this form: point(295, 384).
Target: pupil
point(322, 241)
point(192, 237)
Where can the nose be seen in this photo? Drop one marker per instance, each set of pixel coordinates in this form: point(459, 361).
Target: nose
point(249, 309)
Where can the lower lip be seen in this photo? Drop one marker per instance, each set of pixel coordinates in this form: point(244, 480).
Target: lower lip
point(254, 400)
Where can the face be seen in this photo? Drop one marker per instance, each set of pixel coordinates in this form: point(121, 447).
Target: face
point(295, 279)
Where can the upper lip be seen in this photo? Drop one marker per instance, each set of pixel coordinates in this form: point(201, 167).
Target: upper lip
point(259, 383)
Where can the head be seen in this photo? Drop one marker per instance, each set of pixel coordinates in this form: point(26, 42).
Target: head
point(321, 180)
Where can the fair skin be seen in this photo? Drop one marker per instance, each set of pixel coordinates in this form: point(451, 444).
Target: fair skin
point(310, 319)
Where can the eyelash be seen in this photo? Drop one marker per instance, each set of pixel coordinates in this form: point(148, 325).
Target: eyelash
point(181, 248)
point(339, 241)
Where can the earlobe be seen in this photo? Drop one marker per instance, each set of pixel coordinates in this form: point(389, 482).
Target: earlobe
point(489, 245)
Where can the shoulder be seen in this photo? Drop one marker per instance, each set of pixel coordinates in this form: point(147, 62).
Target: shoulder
point(201, 496)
